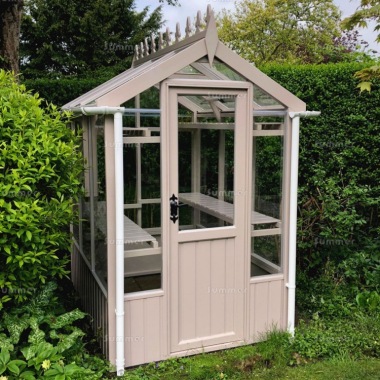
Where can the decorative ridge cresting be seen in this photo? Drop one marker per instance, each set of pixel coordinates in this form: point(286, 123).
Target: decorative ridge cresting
point(154, 44)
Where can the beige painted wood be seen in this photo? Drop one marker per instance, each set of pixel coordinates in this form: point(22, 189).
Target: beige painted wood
point(94, 300)
point(144, 333)
point(266, 306)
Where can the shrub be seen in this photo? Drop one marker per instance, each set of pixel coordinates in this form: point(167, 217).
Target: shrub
point(357, 337)
point(39, 183)
point(40, 340)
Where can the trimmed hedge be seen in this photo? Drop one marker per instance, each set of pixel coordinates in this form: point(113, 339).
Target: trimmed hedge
point(339, 170)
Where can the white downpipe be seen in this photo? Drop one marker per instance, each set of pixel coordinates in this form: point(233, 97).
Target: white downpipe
point(291, 285)
point(103, 110)
point(119, 202)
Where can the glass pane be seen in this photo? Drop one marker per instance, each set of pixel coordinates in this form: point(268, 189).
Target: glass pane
point(267, 205)
point(100, 209)
point(86, 228)
point(268, 175)
point(206, 169)
point(263, 99)
point(142, 199)
point(200, 101)
point(189, 70)
point(265, 255)
point(227, 71)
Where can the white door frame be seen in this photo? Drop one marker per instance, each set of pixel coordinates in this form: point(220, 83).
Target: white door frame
point(240, 231)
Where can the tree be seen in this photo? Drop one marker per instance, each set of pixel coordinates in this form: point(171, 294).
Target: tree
point(292, 31)
point(10, 21)
point(368, 10)
point(70, 37)
point(11, 14)
point(349, 47)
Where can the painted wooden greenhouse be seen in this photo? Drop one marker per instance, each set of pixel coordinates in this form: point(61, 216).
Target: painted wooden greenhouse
point(187, 234)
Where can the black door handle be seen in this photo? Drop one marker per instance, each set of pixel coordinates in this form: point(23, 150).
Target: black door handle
point(173, 208)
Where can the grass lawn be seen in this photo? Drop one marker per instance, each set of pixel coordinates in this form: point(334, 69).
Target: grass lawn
point(261, 361)
point(325, 370)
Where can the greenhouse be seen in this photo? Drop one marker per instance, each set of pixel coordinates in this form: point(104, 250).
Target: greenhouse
point(187, 234)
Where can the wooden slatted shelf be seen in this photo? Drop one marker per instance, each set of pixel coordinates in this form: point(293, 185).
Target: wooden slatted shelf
point(221, 209)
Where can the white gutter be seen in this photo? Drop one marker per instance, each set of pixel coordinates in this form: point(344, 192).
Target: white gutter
point(291, 285)
point(119, 202)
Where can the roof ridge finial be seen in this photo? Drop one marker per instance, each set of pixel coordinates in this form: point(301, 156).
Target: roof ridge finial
point(152, 44)
point(198, 22)
point(209, 13)
point(137, 53)
point(167, 37)
point(177, 32)
point(188, 27)
point(160, 41)
point(146, 47)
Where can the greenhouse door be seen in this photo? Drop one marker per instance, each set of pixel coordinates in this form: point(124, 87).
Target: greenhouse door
point(206, 148)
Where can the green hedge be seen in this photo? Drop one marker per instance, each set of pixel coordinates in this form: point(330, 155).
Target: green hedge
point(339, 164)
point(339, 157)
point(61, 91)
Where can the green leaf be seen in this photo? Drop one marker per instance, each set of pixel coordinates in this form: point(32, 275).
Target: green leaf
point(3, 368)
point(28, 375)
point(29, 352)
point(365, 86)
point(14, 365)
point(4, 356)
point(28, 235)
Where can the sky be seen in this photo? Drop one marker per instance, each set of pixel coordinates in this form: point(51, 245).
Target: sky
point(172, 15)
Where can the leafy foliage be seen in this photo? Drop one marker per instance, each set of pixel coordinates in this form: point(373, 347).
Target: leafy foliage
point(39, 183)
point(356, 336)
point(73, 37)
point(281, 31)
point(368, 10)
point(339, 164)
point(38, 341)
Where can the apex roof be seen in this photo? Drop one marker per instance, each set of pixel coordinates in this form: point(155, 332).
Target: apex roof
point(200, 54)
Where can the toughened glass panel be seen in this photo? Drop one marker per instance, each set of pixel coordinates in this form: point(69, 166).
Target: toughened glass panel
point(268, 168)
point(149, 99)
point(206, 170)
point(200, 101)
point(142, 201)
point(267, 195)
point(100, 220)
point(100, 209)
point(265, 255)
point(189, 70)
point(263, 99)
point(86, 228)
point(227, 71)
